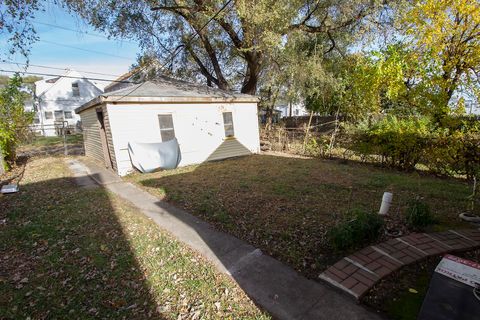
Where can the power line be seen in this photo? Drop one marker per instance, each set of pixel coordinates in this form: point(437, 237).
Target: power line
point(81, 32)
point(64, 76)
point(86, 50)
point(176, 52)
point(55, 68)
point(196, 33)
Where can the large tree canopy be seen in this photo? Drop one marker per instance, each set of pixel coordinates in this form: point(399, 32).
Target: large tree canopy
point(238, 43)
point(445, 36)
point(16, 25)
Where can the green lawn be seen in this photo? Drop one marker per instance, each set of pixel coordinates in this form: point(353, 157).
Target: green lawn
point(286, 205)
point(67, 252)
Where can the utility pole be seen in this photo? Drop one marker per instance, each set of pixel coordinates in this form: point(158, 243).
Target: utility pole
point(2, 163)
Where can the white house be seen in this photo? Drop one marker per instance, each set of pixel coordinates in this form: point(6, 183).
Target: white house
point(209, 124)
point(471, 103)
point(57, 98)
point(291, 109)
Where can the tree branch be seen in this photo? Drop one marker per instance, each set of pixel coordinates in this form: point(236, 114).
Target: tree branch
point(203, 68)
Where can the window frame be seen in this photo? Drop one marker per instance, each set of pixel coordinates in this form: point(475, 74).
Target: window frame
point(166, 133)
point(75, 89)
point(65, 115)
point(55, 115)
point(228, 124)
point(51, 117)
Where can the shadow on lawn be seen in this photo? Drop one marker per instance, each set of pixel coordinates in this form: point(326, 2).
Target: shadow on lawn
point(267, 201)
point(262, 218)
point(64, 254)
point(285, 206)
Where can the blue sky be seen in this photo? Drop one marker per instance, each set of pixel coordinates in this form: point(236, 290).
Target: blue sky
point(117, 58)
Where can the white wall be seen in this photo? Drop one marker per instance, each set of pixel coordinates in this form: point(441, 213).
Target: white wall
point(198, 128)
point(59, 97)
point(298, 109)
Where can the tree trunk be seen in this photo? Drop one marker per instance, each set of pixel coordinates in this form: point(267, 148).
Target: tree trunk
point(251, 78)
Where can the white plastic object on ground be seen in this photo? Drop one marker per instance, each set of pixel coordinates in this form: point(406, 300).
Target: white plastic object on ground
point(9, 188)
point(148, 157)
point(469, 217)
point(386, 202)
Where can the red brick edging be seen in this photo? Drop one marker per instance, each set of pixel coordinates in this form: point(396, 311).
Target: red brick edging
point(358, 273)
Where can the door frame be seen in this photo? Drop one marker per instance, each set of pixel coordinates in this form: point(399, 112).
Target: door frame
point(103, 137)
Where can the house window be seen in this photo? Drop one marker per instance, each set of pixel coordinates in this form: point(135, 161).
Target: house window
point(48, 115)
point(166, 127)
point(75, 89)
point(58, 115)
point(36, 119)
point(68, 115)
point(228, 124)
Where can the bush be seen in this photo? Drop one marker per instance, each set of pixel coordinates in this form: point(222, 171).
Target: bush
point(448, 148)
point(399, 142)
point(14, 120)
point(358, 228)
point(419, 216)
point(455, 150)
point(317, 146)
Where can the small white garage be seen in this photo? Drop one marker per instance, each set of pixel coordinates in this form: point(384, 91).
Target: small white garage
point(209, 124)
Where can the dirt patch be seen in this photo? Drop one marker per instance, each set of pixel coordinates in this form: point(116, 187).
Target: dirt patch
point(15, 174)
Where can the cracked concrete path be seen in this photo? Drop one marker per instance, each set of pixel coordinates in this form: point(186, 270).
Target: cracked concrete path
point(276, 287)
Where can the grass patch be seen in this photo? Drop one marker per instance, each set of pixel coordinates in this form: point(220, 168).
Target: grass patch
point(408, 304)
point(286, 205)
point(67, 252)
point(41, 145)
point(42, 141)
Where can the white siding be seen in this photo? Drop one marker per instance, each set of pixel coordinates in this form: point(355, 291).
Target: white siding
point(91, 135)
point(198, 128)
point(59, 97)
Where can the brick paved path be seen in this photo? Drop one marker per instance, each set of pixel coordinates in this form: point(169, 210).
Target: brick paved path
point(358, 273)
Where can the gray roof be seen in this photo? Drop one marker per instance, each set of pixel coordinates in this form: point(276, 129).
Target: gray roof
point(165, 89)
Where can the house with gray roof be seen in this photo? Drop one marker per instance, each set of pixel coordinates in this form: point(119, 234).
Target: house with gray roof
point(208, 124)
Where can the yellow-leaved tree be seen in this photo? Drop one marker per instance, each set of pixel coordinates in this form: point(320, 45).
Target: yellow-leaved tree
point(445, 34)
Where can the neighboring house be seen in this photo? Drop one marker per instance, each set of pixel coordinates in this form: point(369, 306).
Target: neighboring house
point(291, 109)
point(126, 80)
point(276, 116)
point(57, 98)
point(209, 124)
point(472, 107)
point(470, 101)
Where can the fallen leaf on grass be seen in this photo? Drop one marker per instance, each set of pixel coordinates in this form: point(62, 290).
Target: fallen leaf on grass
point(411, 290)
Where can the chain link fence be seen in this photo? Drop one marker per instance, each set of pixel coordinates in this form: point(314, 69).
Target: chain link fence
point(58, 138)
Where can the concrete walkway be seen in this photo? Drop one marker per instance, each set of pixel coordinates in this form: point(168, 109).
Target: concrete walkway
point(277, 288)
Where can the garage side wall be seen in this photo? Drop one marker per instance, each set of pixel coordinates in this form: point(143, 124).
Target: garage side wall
point(198, 127)
point(91, 135)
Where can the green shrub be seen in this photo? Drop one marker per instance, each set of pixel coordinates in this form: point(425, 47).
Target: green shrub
point(317, 146)
point(448, 148)
point(419, 216)
point(357, 229)
point(399, 142)
point(455, 151)
point(14, 120)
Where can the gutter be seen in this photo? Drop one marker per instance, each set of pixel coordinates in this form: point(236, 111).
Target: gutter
point(185, 99)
